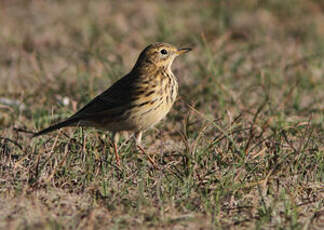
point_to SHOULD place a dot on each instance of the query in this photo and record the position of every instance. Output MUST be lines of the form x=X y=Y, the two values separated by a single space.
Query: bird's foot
x=116 y=154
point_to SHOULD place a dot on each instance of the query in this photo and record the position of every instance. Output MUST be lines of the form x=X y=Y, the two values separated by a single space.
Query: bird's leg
x=138 y=139
x=115 y=138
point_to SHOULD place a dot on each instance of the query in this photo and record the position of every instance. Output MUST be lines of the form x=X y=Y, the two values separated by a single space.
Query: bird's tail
x=62 y=124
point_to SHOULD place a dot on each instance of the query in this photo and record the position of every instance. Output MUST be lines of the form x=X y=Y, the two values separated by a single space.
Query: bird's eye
x=164 y=52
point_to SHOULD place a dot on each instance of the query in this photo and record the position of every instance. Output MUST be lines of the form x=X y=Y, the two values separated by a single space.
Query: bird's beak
x=183 y=51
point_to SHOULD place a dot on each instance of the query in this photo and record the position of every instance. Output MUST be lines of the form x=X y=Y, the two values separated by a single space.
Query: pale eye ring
x=164 y=52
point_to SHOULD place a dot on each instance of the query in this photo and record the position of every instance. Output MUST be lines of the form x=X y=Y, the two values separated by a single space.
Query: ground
x=241 y=149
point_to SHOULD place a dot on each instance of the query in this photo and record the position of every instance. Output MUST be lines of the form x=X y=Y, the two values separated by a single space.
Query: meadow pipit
x=137 y=101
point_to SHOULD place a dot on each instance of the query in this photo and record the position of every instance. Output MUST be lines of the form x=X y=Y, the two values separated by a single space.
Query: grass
x=242 y=148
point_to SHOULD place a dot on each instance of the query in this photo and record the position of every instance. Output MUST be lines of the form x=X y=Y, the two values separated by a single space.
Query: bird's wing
x=111 y=102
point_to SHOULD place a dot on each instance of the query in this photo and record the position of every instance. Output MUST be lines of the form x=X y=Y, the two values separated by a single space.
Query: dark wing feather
x=111 y=101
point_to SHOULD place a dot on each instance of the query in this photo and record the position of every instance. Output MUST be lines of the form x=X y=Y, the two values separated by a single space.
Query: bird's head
x=160 y=55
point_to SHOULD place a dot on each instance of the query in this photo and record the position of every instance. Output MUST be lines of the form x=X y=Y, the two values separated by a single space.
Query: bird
x=134 y=103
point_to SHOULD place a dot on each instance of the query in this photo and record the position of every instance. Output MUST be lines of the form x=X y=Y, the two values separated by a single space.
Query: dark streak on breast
x=142 y=104
x=168 y=98
x=158 y=105
x=145 y=82
x=166 y=89
x=149 y=93
x=152 y=109
x=153 y=101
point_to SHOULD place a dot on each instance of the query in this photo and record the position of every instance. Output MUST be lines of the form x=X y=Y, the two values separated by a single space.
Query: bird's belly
x=137 y=120
x=150 y=117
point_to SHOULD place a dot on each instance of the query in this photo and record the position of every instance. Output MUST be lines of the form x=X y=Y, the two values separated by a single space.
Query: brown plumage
x=137 y=101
